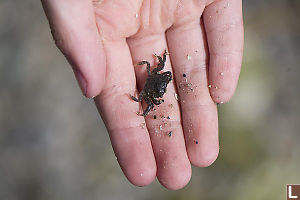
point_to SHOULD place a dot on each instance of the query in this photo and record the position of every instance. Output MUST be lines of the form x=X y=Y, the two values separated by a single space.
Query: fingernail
x=81 y=81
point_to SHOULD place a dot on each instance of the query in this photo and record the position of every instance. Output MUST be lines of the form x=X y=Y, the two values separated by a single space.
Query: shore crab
x=156 y=84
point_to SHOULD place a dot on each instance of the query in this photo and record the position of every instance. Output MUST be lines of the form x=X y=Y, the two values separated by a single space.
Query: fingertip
x=223 y=77
x=135 y=158
x=223 y=93
x=182 y=179
x=95 y=84
x=176 y=180
x=205 y=158
x=89 y=75
x=88 y=62
x=135 y=155
x=139 y=167
x=141 y=177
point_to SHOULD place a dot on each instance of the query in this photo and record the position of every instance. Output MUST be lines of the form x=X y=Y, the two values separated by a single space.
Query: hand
x=105 y=39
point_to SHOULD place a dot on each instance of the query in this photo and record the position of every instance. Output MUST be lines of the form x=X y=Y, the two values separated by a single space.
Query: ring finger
x=188 y=54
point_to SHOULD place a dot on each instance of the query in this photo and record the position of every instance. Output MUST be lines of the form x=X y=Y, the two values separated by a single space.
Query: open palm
x=105 y=39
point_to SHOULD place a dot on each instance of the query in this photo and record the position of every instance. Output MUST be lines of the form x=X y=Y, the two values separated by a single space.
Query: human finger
x=188 y=53
x=127 y=130
x=163 y=122
x=224 y=28
x=75 y=33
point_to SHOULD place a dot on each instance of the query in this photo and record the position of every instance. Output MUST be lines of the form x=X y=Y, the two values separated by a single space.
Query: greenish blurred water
x=54 y=146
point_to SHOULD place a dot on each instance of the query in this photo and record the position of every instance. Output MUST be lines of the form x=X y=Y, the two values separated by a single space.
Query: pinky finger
x=224 y=28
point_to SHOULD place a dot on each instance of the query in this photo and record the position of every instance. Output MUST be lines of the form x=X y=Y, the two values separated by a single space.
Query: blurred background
x=53 y=144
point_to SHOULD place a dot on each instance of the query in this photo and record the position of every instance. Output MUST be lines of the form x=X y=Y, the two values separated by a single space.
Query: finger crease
x=225 y=27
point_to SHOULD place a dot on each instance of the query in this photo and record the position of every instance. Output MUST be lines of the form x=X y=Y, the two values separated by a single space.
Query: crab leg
x=161 y=63
x=168 y=73
x=149 y=107
x=139 y=99
x=148 y=66
x=147 y=110
x=157 y=102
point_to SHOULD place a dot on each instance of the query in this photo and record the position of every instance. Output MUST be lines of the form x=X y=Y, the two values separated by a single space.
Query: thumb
x=75 y=32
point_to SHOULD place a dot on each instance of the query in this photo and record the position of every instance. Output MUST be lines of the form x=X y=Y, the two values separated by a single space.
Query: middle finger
x=163 y=122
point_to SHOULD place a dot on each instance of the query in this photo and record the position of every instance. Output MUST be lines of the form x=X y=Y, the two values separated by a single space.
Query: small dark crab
x=156 y=84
